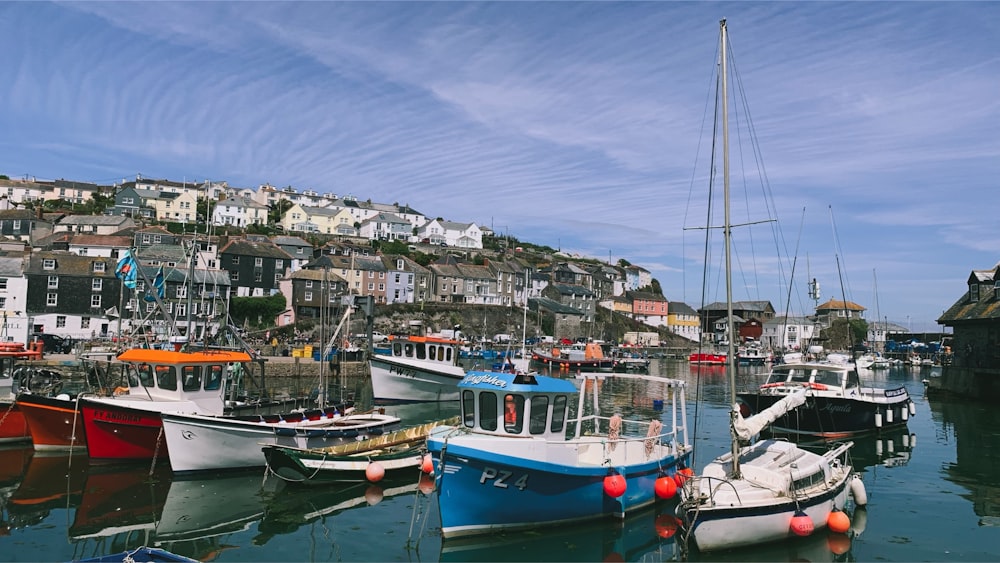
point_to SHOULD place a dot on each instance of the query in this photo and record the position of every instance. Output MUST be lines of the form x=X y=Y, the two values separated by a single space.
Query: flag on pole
x=159 y=286
x=127 y=269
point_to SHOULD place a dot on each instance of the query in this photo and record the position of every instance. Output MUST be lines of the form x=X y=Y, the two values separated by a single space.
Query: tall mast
x=727 y=238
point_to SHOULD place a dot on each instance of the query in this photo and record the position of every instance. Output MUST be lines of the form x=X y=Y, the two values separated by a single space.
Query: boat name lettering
x=488 y=380
x=835 y=408
x=402 y=371
x=895 y=392
x=116 y=416
x=500 y=478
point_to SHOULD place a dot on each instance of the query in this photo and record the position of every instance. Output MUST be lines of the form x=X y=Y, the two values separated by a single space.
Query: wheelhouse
x=516 y=404
x=817 y=376
x=430 y=348
x=161 y=374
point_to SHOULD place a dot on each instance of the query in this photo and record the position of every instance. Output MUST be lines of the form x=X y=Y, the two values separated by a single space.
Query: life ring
x=121 y=390
x=817 y=386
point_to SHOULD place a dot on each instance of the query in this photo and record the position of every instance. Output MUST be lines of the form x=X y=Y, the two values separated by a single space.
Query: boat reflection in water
x=14 y=460
x=889 y=448
x=296 y=506
x=647 y=534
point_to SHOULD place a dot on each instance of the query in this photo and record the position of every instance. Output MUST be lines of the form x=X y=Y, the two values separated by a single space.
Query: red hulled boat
x=13 y=427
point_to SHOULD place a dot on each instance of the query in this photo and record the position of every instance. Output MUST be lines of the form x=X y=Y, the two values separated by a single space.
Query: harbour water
x=933 y=489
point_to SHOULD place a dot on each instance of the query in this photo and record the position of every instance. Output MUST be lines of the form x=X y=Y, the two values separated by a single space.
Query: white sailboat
x=768 y=490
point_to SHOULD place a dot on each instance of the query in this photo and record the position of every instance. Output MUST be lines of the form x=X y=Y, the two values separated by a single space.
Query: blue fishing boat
x=518 y=460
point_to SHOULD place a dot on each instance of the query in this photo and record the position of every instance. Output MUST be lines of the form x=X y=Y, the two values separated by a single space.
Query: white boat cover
x=746 y=428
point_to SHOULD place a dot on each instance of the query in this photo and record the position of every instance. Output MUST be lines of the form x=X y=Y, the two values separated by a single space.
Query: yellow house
x=318 y=220
x=176 y=207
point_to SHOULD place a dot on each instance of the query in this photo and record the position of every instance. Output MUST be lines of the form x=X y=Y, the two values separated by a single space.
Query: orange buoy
x=614 y=484
x=838 y=521
x=802 y=524
x=427 y=466
x=665 y=487
x=666 y=525
x=374 y=472
x=681 y=477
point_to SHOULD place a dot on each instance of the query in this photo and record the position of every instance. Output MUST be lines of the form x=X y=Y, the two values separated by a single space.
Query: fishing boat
x=51 y=412
x=518 y=461
x=13 y=427
x=837 y=405
x=366 y=460
x=707 y=358
x=199 y=442
x=576 y=357
x=761 y=490
x=752 y=354
x=421 y=368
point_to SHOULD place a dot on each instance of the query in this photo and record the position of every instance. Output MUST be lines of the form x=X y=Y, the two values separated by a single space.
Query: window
x=166 y=378
x=95 y=300
x=84 y=322
x=468 y=408
x=974 y=292
x=279 y=264
x=182 y=291
x=258 y=276
x=213 y=377
x=99 y=266
x=96 y=284
x=3 y=284
x=513 y=413
x=236 y=260
x=60 y=321
x=48 y=264
x=51 y=299
x=558 y=413
x=258 y=262
x=234 y=275
x=488 y=411
x=16 y=224
x=539 y=412
x=3 y=302
x=191 y=378
x=309 y=283
x=309 y=296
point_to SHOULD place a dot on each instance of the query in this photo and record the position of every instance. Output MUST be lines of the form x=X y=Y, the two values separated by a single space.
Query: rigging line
x=705 y=268
x=844 y=288
x=791 y=279
x=768 y=195
x=713 y=76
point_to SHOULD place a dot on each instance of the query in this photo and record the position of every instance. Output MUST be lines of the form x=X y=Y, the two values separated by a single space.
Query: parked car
x=376 y=337
x=54 y=344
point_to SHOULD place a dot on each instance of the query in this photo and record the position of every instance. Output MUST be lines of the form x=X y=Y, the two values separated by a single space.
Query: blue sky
x=577 y=125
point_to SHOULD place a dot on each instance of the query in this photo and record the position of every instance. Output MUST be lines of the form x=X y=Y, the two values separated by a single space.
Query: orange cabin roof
x=427 y=339
x=171 y=357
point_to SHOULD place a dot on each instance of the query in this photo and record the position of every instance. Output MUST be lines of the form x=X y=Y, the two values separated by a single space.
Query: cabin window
x=397 y=349
x=166 y=378
x=828 y=377
x=447 y=353
x=213 y=377
x=513 y=413
x=558 y=413
x=469 y=408
x=409 y=350
x=808 y=480
x=539 y=412
x=421 y=351
x=488 y=411
x=145 y=376
x=191 y=376
x=432 y=352
x=852 y=379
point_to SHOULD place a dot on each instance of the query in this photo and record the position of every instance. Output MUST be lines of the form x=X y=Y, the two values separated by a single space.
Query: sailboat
x=768 y=490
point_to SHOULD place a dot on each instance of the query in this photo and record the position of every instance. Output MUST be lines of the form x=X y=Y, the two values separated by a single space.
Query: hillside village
x=299 y=250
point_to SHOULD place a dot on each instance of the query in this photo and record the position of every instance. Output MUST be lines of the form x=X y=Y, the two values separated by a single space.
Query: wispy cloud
x=572 y=124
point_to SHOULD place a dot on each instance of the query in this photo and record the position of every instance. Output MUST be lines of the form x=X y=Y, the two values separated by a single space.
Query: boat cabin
x=516 y=404
x=432 y=348
x=161 y=375
x=815 y=376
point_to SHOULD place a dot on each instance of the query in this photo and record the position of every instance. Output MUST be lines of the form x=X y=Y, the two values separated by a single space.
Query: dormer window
x=48 y=264
x=99 y=266
x=996 y=290
x=974 y=292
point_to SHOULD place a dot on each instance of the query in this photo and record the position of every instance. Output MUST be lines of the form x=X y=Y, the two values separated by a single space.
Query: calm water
x=933 y=488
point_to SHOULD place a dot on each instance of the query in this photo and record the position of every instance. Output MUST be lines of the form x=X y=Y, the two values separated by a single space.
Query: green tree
x=258 y=312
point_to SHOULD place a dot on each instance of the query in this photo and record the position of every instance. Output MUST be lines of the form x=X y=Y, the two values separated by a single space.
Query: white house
x=239 y=212
x=787 y=333
x=385 y=226
x=451 y=233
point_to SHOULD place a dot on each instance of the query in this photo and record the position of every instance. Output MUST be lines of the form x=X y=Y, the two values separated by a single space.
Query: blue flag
x=159 y=286
x=127 y=269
